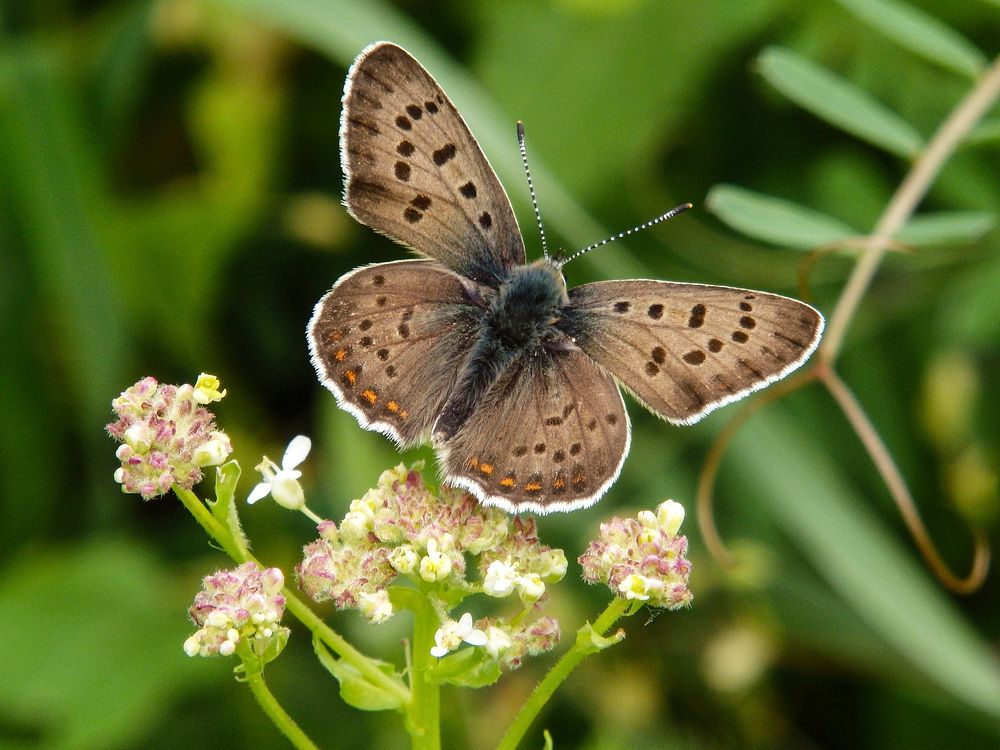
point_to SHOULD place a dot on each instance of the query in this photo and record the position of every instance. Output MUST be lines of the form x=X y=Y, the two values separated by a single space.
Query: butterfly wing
x=389 y=340
x=685 y=349
x=551 y=434
x=414 y=172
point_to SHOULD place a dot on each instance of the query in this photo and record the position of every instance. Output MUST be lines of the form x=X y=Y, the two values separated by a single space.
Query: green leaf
x=922 y=34
x=590 y=641
x=797 y=481
x=946 y=228
x=467 y=667
x=838 y=101
x=224 y=506
x=775 y=220
x=354 y=688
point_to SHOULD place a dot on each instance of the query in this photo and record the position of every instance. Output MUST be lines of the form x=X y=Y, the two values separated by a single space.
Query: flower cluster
x=521 y=562
x=643 y=558
x=504 y=641
x=240 y=606
x=167 y=435
x=401 y=530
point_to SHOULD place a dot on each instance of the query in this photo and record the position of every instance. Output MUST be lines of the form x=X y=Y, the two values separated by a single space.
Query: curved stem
x=904 y=202
x=710 y=469
x=583 y=647
x=285 y=723
x=901 y=495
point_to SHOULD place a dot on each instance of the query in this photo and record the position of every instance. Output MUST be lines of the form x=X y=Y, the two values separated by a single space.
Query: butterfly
x=513 y=376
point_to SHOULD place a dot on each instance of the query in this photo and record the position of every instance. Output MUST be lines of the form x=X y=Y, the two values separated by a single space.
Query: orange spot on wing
x=350 y=376
x=340 y=355
x=559 y=483
x=472 y=463
x=369 y=395
x=335 y=334
x=486 y=469
x=392 y=406
x=404 y=413
x=578 y=480
x=508 y=482
x=533 y=487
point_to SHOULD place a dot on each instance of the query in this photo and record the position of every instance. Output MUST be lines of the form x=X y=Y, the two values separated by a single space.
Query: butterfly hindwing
x=389 y=340
x=415 y=173
x=551 y=434
x=686 y=349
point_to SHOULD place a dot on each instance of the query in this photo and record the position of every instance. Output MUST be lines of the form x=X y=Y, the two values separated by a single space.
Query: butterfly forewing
x=389 y=340
x=551 y=434
x=415 y=173
x=686 y=349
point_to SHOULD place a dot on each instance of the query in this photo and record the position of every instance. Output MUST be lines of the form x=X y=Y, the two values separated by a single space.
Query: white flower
x=403 y=559
x=670 y=515
x=530 y=588
x=283 y=484
x=434 y=566
x=500 y=578
x=452 y=634
x=497 y=641
x=213 y=452
x=375 y=607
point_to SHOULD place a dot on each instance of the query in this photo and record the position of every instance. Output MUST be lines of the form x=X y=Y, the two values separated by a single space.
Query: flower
x=404 y=559
x=283 y=484
x=435 y=565
x=509 y=643
x=497 y=641
x=530 y=588
x=167 y=437
x=345 y=572
x=243 y=605
x=452 y=634
x=500 y=578
x=376 y=606
x=643 y=558
x=206 y=389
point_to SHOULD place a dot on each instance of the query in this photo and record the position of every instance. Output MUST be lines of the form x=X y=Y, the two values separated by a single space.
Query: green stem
x=544 y=690
x=425 y=707
x=293 y=603
x=209 y=523
x=285 y=723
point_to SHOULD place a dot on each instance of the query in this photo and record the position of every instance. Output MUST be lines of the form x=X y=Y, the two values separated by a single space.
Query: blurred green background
x=169 y=204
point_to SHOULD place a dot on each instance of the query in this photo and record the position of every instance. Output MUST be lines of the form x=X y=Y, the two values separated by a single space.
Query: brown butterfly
x=513 y=376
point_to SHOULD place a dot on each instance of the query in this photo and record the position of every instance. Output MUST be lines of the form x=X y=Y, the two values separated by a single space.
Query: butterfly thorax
x=519 y=321
x=528 y=303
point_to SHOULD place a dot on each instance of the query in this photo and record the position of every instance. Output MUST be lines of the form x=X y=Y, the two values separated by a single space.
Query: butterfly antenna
x=663 y=217
x=531 y=186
